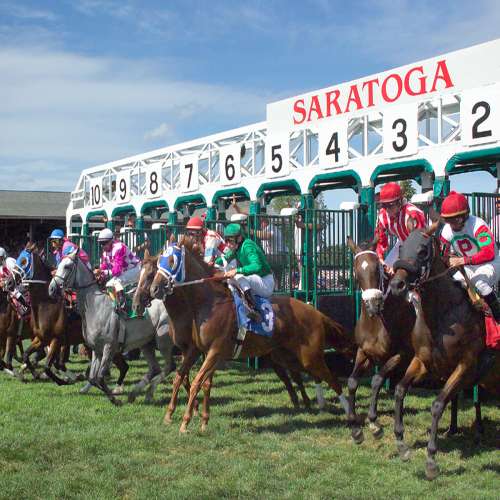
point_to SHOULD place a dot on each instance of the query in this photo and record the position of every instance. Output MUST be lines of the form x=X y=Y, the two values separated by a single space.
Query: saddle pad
x=265 y=327
x=128 y=304
x=492 y=333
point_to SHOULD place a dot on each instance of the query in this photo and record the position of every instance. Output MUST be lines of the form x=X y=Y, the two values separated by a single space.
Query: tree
x=407 y=188
x=280 y=202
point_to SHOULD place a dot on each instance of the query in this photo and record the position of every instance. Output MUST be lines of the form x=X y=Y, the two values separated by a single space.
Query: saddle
x=126 y=313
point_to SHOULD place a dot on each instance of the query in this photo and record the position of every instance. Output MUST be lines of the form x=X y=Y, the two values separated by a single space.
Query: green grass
x=56 y=443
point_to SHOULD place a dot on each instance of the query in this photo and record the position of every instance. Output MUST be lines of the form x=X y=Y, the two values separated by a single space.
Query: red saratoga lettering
x=370 y=84
x=442 y=74
x=298 y=107
x=332 y=101
x=399 y=84
x=353 y=97
x=422 y=80
x=315 y=107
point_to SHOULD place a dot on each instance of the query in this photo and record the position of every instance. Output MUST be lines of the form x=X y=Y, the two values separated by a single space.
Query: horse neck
x=39 y=291
x=85 y=283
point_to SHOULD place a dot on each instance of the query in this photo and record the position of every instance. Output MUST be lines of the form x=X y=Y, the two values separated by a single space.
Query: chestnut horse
x=382 y=333
x=9 y=332
x=203 y=315
x=448 y=335
x=279 y=364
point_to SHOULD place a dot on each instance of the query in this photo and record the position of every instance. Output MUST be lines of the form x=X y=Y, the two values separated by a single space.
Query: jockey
x=211 y=241
x=61 y=247
x=252 y=271
x=10 y=270
x=396 y=217
x=473 y=244
x=119 y=265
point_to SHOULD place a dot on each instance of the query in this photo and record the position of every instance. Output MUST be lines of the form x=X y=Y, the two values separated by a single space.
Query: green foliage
x=408 y=189
x=280 y=202
x=56 y=443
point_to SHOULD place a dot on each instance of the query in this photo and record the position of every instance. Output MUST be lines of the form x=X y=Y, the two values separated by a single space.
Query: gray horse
x=106 y=333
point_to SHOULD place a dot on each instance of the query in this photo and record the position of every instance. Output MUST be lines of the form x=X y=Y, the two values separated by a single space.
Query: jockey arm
x=382 y=242
x=254 y=264
x=486 y=247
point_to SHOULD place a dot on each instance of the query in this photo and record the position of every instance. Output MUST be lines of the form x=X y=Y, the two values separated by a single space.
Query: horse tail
x=338 y=337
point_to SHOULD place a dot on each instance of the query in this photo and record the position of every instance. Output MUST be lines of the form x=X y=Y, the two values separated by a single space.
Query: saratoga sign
x=471 y=67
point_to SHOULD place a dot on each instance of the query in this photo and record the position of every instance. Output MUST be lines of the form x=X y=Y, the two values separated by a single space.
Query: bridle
x=369 y=293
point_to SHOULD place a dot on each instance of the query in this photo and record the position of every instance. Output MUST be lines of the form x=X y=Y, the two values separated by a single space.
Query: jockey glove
x=492 y=300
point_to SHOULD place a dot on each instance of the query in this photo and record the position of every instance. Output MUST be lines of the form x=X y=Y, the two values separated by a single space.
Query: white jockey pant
x=129 y=276
x=483 y=276
x=260 y=285
x=393 y=255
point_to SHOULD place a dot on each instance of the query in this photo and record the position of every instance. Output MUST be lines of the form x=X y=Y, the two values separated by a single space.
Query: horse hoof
x=132 y=397
x=117 y=402
x=9 y=372
x=377 y=430
x=431 y=470
x=404 y=451
x=80 y=377
x=167 y=420
x=204 y=427
x=118 y=390
x=357 y=436
x=183 y=428
x=86 y=388
x=148 y=399
x=43 y=376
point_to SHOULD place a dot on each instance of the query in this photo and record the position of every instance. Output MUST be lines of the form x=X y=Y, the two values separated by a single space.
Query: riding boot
x=485 y=363
x=252 y=314
x=492 y=301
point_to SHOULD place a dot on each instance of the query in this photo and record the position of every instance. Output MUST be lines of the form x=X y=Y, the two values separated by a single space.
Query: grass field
x=56 y=443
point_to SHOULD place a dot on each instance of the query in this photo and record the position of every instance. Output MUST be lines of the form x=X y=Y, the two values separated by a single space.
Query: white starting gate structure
x=425 y=120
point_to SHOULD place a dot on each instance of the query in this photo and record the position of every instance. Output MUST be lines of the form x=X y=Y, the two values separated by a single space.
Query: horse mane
x=194 y=252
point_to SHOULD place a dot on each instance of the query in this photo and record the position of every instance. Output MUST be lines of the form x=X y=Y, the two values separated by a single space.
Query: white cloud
x=163 y=131
x=26 y=13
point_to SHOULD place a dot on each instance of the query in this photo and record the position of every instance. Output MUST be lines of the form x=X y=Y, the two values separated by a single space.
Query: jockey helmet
x=232 y=230
x=56 y=234
x=454 y=204
x=195 y=223
x=390 y=192
x=3 y=253
x=105 y=234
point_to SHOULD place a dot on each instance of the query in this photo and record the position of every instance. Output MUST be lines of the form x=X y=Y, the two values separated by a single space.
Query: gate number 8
x=153 y=181
x=401 y=134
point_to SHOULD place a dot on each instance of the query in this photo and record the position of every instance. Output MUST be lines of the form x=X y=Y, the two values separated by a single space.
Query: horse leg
x=181 y=377
x=283 y=376
x=438 y=406
x=154 y=369
x=478 y=425
x=104 y=367
x=360 y=365
x=415 y=370
x=314 y=363
x=297 y=378
x=205 y=372
x=377 y=381
x=205 y=412
x=2 y=354
x=122 y=366
x=453 y=428
x=10 y=347
x=51 y=356
x=19 y=344
x=36 y=343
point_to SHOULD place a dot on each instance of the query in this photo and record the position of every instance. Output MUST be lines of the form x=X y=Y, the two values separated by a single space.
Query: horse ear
x=146 y=254
x=434 y=215
x=352 y=246
x=182 y=240
x=171 y=240
x=412 y=224
x=432 y=228
x=374 y=243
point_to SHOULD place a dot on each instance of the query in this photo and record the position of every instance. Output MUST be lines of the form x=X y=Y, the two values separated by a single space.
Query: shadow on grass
x=295 y=425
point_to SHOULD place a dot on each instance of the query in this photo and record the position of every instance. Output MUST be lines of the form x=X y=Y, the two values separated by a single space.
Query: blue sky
x=88 y=81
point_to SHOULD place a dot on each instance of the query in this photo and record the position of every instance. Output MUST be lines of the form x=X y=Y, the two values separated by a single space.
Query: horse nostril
x=401 y=285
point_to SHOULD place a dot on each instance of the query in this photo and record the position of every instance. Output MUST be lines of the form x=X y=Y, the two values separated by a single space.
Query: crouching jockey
x=119 y=266
x=10 y=276
x=248 y=267
x=62 y=247
x=211 y=242
x=473 y=244
x=396 y=217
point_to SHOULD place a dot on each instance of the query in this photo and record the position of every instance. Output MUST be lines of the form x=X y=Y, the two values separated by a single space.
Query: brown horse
x=279 y=363
x=9 y=330
x=381 y=333
x=50 y=321
x=447 y=337
x=203 y=315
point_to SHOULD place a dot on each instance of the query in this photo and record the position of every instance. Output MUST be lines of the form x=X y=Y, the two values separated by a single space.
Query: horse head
x=416 y=258
x=71 y=273
x=142 y=295
x=369 y=274
x=180 y=262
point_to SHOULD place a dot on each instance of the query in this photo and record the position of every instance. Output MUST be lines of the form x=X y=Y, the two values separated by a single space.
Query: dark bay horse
x=448 y=334
x=10 y=325
x=204 y=316
x=382 y=333
x=51 y=325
